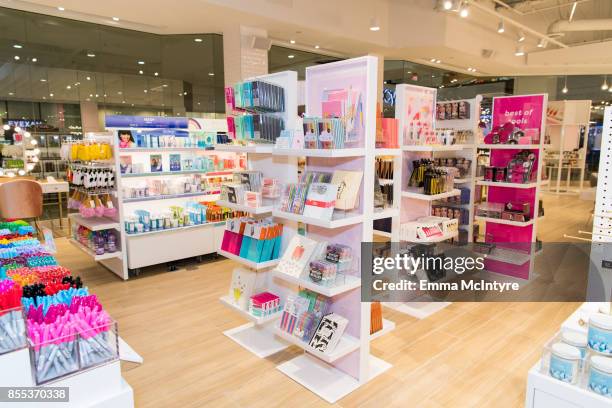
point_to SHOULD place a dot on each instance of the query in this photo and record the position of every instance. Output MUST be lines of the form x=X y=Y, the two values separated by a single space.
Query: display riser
x=326 y=381
x=420 y=310
x=544 y=391
x=85 y=386
x=176 y=244
x=258 y=339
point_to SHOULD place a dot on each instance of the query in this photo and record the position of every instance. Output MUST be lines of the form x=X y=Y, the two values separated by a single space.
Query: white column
x=241 y=59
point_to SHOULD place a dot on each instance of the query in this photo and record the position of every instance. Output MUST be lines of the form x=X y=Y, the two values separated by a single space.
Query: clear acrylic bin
x=12 y=330
x=67 y=355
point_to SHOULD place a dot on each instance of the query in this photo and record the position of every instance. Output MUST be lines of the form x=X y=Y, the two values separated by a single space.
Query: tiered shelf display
x=567 y=130
x=416 y=108
x=514 y=239
x=258 y=336
x=181 y=242
x=113 y=261
x=350 y=365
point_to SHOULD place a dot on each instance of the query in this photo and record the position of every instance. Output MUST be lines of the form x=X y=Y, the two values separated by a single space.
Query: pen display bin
x=98 y=345
x=54 y=358
x=12 y=330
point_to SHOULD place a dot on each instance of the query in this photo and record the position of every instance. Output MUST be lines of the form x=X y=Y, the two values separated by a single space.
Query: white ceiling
x=410 y=29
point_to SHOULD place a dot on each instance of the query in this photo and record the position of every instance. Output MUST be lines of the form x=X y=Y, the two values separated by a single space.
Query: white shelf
x=505 y=222
x=509 y=146
x=167 y=197
x=505 y=184
x=388 y=152
x=382 y=233
x=95 y=223
x=225 y=300
x=239 y=207
x=431 y=240
x=388 y=326
x=92 y=254
x=257 y=148
x=420 y=310
x=350 y=283
x=348 y=152
x=258 y=339
x=182 y=172
x=164 y=149
x=325 y=380
x=462 y=180
x=386 y=213
x=253 y=265
x=161 y=231
x=436 y=148
x=337 y=221
x=417 y=193
x=346 y=345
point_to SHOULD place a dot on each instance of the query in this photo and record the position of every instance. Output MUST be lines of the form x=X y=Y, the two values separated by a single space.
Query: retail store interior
x=193 y=198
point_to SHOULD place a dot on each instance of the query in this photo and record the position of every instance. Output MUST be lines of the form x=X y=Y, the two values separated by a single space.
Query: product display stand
x=416 y=109
x=350 y=365
x=189 y=240
x=113 y=261
x=514 y=252
x=257 y=336
x=567 y=130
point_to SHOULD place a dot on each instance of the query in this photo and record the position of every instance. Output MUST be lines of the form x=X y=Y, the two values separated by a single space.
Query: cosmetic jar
x=600 y=375
x=577 y=340
x=600 y=333
x=565 y=362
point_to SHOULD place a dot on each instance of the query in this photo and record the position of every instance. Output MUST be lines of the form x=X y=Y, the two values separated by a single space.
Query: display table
x=544 y=391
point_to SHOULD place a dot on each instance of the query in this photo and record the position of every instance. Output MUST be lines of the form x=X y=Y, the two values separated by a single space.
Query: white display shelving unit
x=113 y=261
x=415 y=203
x=258 y=336
x=334 y=375
x=566 y=120
x=178 y=243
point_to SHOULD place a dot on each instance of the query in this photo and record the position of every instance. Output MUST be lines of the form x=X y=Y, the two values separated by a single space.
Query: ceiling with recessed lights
x=460 y=34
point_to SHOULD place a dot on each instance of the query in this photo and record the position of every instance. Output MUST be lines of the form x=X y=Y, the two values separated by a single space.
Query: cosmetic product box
x=490 y=210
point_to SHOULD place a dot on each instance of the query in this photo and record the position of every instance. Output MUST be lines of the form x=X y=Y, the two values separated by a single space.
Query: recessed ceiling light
x=185 y=93
x=211 y=74
x=34 y=59
x=68 y=87
x=438 y=61
x=43 y=80
x=119 y=93
x=88 y=78
x=464 y=11
x=115 y=18
x=146 y=91
x=447 y=4
x=501 y=27
x=141 y=72
x=432 y=60
x=11 y=93
x=374 y=25
x=17 y=58
x=520 y=51
x=156 y=73
x=60 y=8
x=51 y=95
x=91 y=95
x=290 y=56
x=317 y=47
x=91 y=54
x=198 y=40
x=292 y=41
x=141 y=62
x=165 y=85
x=17 y=46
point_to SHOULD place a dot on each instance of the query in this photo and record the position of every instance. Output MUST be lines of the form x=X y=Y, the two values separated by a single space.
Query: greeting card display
x=348 y=188
x=297 y=255
x=156 y=163
x=320 y=201
x=175 y=162
x=242 y=287
x=328 y=333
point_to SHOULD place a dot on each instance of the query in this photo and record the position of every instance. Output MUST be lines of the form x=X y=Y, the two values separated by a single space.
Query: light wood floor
x=467 y=355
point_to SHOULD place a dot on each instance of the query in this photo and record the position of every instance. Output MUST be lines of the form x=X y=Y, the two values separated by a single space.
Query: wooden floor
x=467 y=355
